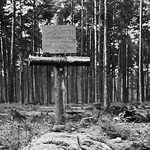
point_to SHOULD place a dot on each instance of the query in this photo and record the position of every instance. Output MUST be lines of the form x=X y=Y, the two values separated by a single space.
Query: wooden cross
x=59 y=62
x=59 y=40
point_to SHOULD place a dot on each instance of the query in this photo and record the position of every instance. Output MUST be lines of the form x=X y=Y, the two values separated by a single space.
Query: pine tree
x=11 y=58
x=105 y=55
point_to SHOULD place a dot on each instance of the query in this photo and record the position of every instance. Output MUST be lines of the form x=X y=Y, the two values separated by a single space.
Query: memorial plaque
x=59 y=39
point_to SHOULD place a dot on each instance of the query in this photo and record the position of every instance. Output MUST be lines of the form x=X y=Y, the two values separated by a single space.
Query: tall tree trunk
x=92 y=58
x=119 y=74
x=137 y=88
x=49 y=85
x=95 y=52
x=105 y=56
x=127 y=70
x=91 y=88
x=142 y=78
x=132 y=87
x=67 y=83
x=81 y=53
x=11 y=61
x=114 y=62
x=21 y=59
x=73 y=69
x=72 y=92
x=147 y=81
x=33 y=69
x=1 y=50
x=124 y=68
x=5 y=56
x=140 y=55
x=28 y=82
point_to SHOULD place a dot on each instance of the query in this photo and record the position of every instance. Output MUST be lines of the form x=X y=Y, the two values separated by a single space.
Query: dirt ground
x=31 y=127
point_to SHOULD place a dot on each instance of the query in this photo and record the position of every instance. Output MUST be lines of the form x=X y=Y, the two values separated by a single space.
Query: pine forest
x=107 y=70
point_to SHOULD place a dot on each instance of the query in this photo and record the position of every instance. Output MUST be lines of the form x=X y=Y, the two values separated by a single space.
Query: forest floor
x=30 y=127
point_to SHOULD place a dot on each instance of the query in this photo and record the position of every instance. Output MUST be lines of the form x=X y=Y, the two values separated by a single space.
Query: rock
x=58 y=128
x=116 y=119
x=16 y=115
x=57 y=141
x=118 y=139
x=117 y=107
x=98 y=106
x=145 y=105
x=86 y=121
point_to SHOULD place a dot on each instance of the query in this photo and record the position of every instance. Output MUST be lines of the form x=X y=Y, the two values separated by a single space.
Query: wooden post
x=59 y=62
x=59 y=99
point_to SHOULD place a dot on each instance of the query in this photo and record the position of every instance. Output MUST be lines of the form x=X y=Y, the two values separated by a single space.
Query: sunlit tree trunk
x=114 y=62
x=95 y=52
x=119 y=74
x=105 y=56
x=99 y=56
x=140 y=55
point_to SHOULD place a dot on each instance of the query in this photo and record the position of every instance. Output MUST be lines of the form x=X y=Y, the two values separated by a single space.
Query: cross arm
x=59 y=60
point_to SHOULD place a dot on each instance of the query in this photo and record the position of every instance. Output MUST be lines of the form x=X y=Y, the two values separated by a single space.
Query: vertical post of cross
x=59 y=99
x=59 y=78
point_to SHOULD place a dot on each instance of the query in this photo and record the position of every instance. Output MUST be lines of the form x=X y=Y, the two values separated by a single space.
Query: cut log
x=59 y=61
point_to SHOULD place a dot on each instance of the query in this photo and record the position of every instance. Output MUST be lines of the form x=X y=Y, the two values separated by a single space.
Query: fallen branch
x=79 y=144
